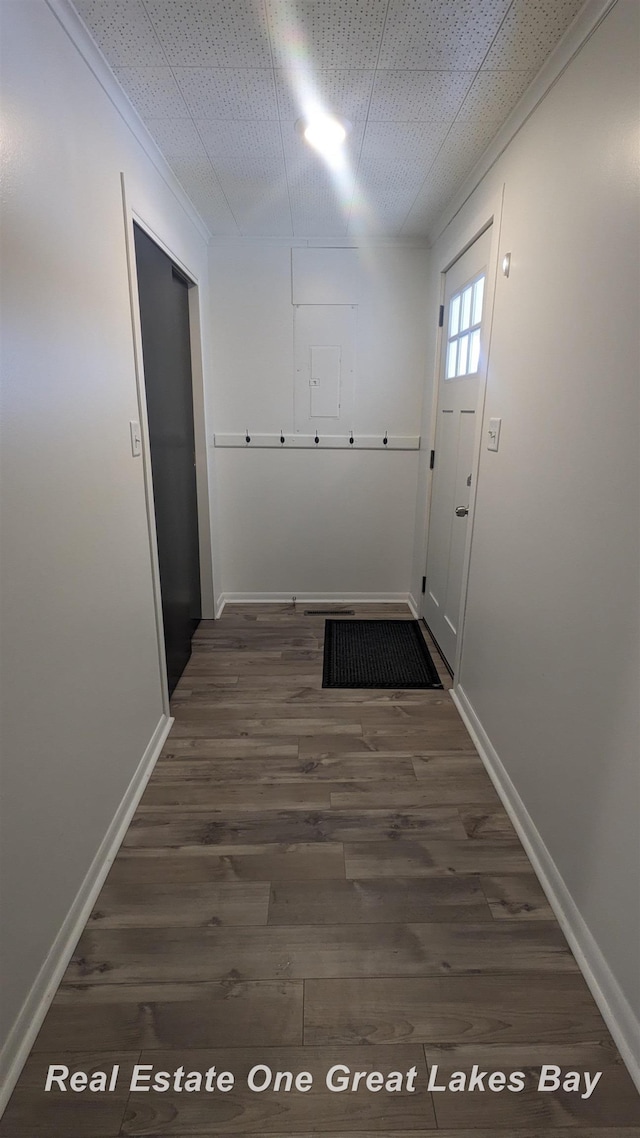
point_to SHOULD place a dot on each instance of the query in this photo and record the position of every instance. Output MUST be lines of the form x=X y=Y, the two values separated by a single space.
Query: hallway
x=318 y=877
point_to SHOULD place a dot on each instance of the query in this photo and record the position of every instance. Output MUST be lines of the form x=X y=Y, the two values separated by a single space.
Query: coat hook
x=247 y=437
x=317 y=439
x=386 y=438
x=351 y=439
x=281 y=437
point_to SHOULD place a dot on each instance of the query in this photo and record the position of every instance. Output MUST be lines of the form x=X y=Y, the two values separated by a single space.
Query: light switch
x=493 y=434
x=136 y=438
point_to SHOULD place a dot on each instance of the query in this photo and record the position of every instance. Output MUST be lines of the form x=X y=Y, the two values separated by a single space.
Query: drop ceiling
x=425 y=84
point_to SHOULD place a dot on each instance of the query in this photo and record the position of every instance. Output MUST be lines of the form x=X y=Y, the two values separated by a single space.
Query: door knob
x=462 y=511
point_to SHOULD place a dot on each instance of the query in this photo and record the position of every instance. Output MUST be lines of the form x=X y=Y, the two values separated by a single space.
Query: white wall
x=326 y=523
x=549 y=668
x=80 y=675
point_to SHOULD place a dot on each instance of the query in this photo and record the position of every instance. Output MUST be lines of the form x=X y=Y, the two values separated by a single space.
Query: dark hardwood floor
x=317 y=877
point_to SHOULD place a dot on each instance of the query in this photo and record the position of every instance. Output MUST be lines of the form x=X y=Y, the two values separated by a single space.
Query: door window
x=463 y=339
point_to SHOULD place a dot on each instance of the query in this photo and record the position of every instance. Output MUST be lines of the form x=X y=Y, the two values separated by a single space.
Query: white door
x=460 y=383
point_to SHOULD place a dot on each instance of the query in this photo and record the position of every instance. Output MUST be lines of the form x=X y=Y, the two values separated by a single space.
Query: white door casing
x=458 y=409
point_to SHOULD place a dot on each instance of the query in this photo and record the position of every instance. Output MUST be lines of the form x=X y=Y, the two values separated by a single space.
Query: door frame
x=199 y=426
x=488 y=214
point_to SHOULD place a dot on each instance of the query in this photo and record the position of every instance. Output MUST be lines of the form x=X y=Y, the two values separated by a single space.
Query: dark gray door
x=166 y=350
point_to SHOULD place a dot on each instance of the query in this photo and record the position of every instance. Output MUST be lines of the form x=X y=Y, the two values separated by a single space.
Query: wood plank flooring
x=317 y=877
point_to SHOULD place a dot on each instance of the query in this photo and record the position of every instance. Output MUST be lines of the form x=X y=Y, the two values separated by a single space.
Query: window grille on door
x=463 y=338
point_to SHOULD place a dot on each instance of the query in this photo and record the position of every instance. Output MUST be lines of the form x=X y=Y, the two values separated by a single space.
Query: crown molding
x=572 y=42
x=72 y=24
x=413 y=242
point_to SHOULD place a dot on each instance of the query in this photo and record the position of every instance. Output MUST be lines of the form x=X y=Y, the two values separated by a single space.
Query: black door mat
x=377 y=654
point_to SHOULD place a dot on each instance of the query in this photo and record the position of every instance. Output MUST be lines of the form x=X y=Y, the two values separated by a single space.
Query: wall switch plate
x=136 y=438
x=493 y=433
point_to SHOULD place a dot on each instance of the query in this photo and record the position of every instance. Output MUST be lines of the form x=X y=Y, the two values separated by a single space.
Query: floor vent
x=329 y=612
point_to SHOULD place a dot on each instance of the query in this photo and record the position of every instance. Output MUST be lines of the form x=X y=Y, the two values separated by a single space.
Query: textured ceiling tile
x=312 y=189
x=347 y=93
x=200 y=72
x=382 y=193
x=382 y=216
x=530 y=32
x=329 y=226
x=200 y=183
x=153 y=92
x=403 y=142
x=307 y=174
x=381 y=176
x=267 y=221
x=442 y=35
x=390 y=180
x=420 y=96
x=463 y=146
x=395 y=159
x=319 y=198
x=178 y=138
x=308 y=198
x=228 y=138
x=381 y=211
x=311 y=192
x=211 y=33
x=231 y=93
x=256 y=189
x=429 y=202
x=458 y=155
x=326 y=33
x=461 y=150
x=424 y=212
x=249 y=181
x=494 y=94
x=122 y=31
x=316 y=224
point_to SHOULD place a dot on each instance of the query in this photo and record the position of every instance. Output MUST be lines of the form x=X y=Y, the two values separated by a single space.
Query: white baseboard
x=311 y=599
x=413 y=605
x=616 y=1010
x=29 y=1020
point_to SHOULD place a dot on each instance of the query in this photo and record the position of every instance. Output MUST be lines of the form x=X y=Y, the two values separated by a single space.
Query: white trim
x=413 y=605
x=395 y=242
x=136 y=335
x=497 y=206
x=311 y=599
x=30 y=1017
x=568 y=47
x=69 y=19
x=192 y=277
x=616 y=1010
x=488 y=214
x=197 y=321
x=295 y=441
x=196 y=324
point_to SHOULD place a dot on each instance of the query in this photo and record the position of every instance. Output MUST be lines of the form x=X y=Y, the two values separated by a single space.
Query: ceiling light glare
x=325 y=133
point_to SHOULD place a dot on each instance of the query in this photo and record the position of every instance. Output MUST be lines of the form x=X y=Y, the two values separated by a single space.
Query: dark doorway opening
x=166 y=351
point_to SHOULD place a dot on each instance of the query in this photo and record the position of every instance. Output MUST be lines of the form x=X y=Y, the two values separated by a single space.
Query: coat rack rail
x=284 y=441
